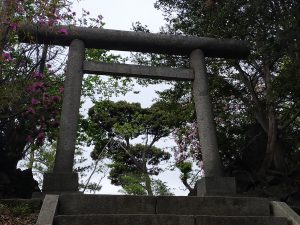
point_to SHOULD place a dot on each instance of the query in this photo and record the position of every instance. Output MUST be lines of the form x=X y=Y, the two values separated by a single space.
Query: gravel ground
x=13 y=220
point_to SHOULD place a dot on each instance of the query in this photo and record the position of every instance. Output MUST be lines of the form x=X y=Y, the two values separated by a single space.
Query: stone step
x=74 y=204
x=165 y=220
x=240 y=220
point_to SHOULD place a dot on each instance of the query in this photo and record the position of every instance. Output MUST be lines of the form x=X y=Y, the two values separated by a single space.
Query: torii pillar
x=214 y=183
x=63 y=178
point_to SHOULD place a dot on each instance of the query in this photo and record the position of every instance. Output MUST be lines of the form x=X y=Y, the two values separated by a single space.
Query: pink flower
x=30 y=110
x=13 y=26
x=61 y=89
x=45 y=96
x=40 y=138
x=40 y=135
x=52 y=22
x=55 y=98
x=34 y=101
x=31 y=88
x=63 y=31
x=37 y=75
x=37 y=86
x=29 y=138
x=7 y=57
x=55 y=123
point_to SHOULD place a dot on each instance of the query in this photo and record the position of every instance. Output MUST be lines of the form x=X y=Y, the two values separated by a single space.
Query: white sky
x=120 y=15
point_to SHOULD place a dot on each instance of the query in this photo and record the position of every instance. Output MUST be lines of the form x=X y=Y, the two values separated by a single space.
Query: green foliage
x=256 y=101
x=119 y=118
x=116 y=125
x=184 y=167
x=31 y=83
x=19 y=128
x=133 y=184
x=123 y=163
x=21 y=210
x=160 y=188
x=128 y=121
x=98 y=87
x=3 y=208
x=93 y=187
x=272 y=31
x=18 y=210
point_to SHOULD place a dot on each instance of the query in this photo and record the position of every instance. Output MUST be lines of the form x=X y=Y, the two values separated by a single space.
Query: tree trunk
x=274 y=155
x=148 y=184
x=145 y=170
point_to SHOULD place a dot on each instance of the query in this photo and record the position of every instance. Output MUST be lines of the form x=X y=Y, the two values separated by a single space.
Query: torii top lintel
x=134 y=41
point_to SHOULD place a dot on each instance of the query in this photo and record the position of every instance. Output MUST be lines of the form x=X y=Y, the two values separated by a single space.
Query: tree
x=256 y=101
x=31 y=82
x=117 y=125
x=268 y=62
x=30 y=87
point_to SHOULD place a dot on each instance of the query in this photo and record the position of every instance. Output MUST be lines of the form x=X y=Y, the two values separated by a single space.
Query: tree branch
x=96 y=164
x=43 y=59
x=186 y=184
x=135 y=161
x=259 y=115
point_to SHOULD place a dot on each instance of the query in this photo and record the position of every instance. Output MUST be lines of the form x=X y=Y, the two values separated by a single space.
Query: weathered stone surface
x=125 y=220
x=134 y=41
x=48 y=210
x=60 y=182
x=70 y=109
x=106 y=204
x=282 y=209
x=120 y=204
x=235 y=220
x=221 y=206
x=75 y=209
x=164 y=73
x=216 y=186
x=205 y=118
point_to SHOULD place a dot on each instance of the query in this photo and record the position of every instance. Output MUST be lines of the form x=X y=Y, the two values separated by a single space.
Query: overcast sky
x=120 y=15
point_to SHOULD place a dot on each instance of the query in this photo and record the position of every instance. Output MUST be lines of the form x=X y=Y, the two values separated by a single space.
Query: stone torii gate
x=63 y=179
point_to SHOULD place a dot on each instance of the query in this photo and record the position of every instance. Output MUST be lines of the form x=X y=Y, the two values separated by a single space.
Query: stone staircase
x=79 y=209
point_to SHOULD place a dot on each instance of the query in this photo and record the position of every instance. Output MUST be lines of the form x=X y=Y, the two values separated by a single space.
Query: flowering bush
x=44 y=107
